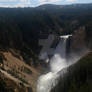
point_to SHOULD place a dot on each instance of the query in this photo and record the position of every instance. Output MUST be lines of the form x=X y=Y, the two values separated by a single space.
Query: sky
x=34 y=3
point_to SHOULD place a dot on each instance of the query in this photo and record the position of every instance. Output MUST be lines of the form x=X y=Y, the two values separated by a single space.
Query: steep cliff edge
x=78 y=78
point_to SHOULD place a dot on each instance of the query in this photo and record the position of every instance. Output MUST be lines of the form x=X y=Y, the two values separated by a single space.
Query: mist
x=58 y=65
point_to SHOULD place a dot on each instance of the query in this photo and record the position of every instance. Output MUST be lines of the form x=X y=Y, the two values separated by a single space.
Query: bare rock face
x=89 y=36
x=15 y=69
x=77 y=43
x=7 y=85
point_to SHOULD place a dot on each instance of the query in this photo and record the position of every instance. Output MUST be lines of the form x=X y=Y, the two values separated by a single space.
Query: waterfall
x=57 y=63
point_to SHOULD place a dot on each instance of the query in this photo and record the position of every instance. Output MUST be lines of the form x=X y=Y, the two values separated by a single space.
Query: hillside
x=21 y=29
x=6 y=85
x=15 y=69
x=78 y=78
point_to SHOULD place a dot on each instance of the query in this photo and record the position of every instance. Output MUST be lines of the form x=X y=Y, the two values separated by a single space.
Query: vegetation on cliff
x=21 y=28
x=78 y=78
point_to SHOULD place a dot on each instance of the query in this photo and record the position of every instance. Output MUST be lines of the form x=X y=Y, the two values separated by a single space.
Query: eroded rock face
x=7 y=84
x=15 y=69
x=76 y=44
x=78 y=41
x=89 y=36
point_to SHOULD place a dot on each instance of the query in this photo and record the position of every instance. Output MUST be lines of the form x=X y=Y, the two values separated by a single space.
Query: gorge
x=57 y=63
x=20 y=32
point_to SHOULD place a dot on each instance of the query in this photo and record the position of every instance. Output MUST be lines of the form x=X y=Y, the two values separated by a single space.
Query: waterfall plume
x=57 y=63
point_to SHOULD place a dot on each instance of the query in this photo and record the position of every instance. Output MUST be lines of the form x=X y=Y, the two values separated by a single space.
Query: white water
x=57 y=63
